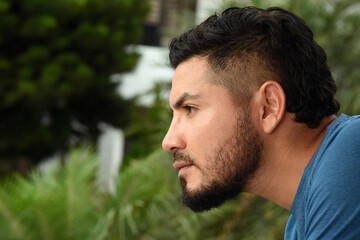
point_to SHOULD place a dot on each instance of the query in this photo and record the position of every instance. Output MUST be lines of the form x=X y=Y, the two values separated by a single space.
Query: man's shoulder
x=347 y=126
x=342 y=138
x=332 y=207
x=339 y=152
x=343 y=141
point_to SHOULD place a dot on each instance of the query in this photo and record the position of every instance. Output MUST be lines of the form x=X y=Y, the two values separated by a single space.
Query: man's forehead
x=193 y=70
x=189 y=78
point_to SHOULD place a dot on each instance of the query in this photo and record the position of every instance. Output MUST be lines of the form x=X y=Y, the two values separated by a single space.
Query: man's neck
x=286 y=154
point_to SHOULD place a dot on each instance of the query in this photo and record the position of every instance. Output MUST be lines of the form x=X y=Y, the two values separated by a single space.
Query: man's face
x=215 y=145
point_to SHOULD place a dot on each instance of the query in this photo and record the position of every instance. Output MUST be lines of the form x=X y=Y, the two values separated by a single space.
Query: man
x=254 y=111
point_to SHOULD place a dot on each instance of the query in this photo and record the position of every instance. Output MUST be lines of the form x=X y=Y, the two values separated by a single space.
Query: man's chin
x=205 y=198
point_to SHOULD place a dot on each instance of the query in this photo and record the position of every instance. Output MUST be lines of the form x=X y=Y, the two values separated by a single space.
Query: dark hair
x=264 y=43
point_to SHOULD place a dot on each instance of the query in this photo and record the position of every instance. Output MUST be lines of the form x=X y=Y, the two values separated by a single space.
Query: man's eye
x=190 y=109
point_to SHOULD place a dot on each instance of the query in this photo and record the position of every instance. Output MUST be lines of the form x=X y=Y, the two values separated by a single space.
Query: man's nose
x=173 y=139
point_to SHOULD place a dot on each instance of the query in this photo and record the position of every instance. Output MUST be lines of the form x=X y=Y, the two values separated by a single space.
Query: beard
x=230 y=167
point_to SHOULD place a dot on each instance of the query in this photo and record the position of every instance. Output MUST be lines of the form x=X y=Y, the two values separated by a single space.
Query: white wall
x=152 y=67
x=205 y=8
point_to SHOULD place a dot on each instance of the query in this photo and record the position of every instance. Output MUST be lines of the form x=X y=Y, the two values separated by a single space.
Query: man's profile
x=254 y=111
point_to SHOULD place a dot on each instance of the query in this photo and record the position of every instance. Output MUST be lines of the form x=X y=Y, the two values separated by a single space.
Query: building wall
x=166 y=19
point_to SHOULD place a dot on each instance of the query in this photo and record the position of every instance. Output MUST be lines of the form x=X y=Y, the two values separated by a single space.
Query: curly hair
x=248 y=46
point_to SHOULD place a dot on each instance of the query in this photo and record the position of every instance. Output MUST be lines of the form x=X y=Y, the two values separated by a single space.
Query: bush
x=65 y=204
x=56 y=58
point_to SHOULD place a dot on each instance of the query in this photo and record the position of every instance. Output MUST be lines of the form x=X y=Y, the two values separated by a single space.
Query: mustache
x=183 y=157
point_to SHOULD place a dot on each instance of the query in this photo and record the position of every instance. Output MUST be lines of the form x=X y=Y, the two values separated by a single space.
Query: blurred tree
x=56 y=58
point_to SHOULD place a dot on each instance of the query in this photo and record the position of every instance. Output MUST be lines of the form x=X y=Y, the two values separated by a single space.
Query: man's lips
x=180 y=165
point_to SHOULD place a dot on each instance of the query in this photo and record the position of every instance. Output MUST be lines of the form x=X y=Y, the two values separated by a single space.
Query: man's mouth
x=181 y=166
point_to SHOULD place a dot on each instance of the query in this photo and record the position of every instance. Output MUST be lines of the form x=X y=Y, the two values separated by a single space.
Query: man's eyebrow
x=185 y=96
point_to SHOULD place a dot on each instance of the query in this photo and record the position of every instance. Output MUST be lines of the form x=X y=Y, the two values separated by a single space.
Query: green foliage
x=65 y=204
x=55 y=61
x=52 y=205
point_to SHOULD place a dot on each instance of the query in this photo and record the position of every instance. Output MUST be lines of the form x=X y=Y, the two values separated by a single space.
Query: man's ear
x=270 y=102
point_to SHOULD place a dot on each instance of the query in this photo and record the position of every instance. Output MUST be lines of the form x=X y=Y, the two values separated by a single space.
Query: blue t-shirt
x=327 y=201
